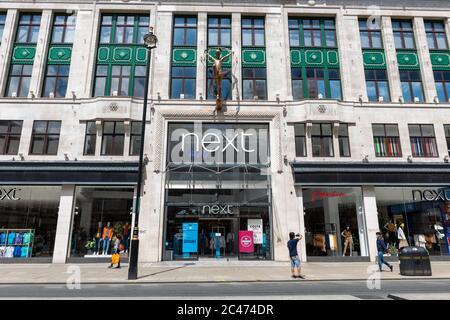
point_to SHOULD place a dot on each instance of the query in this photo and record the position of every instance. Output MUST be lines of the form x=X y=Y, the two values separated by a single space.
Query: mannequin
x=98 y=238
x=348 y=240
x=107 y=236
x=401 y=237
x=392 y=230
x=126 y=235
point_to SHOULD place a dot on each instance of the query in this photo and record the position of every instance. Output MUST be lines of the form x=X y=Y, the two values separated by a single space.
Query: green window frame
x=312 y=32
x=121 y=35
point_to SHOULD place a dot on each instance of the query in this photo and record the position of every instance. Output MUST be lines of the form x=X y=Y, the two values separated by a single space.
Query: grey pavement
x=204 y=271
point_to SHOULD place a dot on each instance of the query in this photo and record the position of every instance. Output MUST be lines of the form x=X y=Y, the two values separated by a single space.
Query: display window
x=101 y=214
x=194 y=232
x=334 y=222
x=415 y=216
x=28 y=219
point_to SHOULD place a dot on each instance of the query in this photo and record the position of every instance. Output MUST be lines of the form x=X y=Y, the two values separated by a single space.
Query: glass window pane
x=409 y=40
x=378 y=130
x=406 y=92
x=213 y=37
x=365 y=43
x=13 y=147
x=294 y=38
x=70 y=33
x=49 y=86
x=105 y=35
x=343 y=130
x=398 y=40
x=330 y=38
x=37 y=145
x=414 y=130
x=106 y=20
x=300 y=147
x=317 y=35
x=61 y=87
x=13 y=86
x=441 y=41
x=129 y=35
x=178 y=37
x=57 y=34
x=246 y=38
x=118 y=145
x=335 y=89
x=417 y=90
x=16 y=126
x=259 y=37
x=124 y=87
x=297 y=89
x=191 y=37
x=261 y=89
x=22 y=33
x=120 y=128
x=376 y=40
x=136 y=127
x=52 y=144
x=316 y=129
x=89 y=145
x=427 y=131
x=441 y=92
x=176 y=88
x=91 y=127
x=119 y=35
x=139 y=87
x=371 y=91
x=316 y=146
x=189 y=85
x=108 y=127
x=54 y=127
x=299 y=129
x=225 y=36
x=383 y=91
x=326 y=129
x=392 y=130
x=327 y=147
x=100 y=84
x=321 y=88
x=24 y=89
x=307 y=39
x=248 y=89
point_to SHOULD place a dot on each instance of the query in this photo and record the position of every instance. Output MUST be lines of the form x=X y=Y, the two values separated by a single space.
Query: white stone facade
x=279 y=110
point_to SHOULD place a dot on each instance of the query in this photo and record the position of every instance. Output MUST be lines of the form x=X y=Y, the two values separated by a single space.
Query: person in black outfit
x=293 y=255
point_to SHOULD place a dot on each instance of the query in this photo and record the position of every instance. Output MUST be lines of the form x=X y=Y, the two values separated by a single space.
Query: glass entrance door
x=217 y=238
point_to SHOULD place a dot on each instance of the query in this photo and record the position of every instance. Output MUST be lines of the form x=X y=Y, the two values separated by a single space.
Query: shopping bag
x=115 y=258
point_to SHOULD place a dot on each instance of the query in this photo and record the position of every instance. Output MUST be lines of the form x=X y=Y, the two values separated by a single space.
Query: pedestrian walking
x=382 y=249
x=293 y=255
x=115 y=258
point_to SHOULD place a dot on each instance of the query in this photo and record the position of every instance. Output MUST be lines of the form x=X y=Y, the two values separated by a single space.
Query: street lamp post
x=150 y=41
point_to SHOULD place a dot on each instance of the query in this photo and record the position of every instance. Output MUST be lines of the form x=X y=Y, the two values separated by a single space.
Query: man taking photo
x=293 y=255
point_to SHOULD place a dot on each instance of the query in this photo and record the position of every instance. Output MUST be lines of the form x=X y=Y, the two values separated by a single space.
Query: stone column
x=7 y=43
x=301 y=222
x=40 y=59
x=391 y=59
x=64 y=224
x=429 y=86
x=351 y=59
x=202 y=62
x=237 y=64
x=82 y=49
x=335 y=131
x=162 y=55
x=276 y=57
x=371 y=215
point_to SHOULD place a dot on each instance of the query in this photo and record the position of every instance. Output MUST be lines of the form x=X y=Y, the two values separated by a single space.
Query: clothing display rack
x=16 y=243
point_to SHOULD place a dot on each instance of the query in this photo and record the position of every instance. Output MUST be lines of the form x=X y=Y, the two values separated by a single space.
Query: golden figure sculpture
x=218 y=75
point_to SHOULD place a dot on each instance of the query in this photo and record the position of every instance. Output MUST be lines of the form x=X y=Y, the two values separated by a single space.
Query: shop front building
x=408 y=206
x=217 y=191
